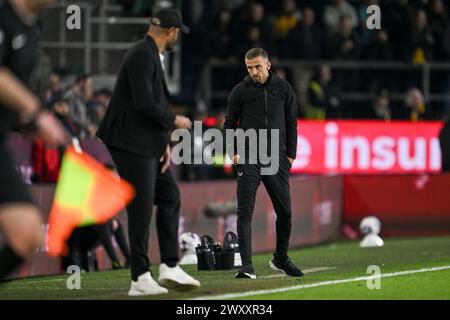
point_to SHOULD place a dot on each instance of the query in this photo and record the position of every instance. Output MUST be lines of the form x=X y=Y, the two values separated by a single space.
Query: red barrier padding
x=407 y=205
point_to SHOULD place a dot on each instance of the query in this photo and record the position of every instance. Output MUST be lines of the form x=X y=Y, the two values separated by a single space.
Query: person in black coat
x=135 y=130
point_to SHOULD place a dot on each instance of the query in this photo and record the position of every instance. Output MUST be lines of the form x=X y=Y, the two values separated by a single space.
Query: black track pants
x=277 y=186
x=152 y=187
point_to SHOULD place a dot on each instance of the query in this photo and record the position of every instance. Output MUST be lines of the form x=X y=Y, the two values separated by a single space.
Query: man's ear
x=268 y=65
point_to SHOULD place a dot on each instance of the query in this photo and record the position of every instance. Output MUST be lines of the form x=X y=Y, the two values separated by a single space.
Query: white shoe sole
x=275 y=268
x=135 y=293
x=172 y=284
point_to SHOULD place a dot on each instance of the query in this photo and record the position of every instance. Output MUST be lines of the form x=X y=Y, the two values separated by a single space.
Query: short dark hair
x=83 y=77
x=255 y=53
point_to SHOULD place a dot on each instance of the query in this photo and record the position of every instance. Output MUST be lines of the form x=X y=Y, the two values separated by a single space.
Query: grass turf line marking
x=318 y=284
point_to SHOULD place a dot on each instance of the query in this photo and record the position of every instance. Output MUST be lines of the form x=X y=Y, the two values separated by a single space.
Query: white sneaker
x=175 y=277
x=145 y=285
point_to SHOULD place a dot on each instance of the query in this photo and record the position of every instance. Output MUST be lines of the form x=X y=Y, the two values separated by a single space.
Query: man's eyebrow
x=256 y=66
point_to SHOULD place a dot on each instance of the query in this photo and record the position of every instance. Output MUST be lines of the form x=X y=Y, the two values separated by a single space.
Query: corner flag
x=87 y=193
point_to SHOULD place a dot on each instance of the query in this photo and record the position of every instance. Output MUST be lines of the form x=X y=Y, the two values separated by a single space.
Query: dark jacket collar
x=273 y=77
x=151 y=44
x=154 y=50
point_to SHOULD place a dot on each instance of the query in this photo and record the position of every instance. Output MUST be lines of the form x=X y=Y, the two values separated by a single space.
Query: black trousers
x=277 y=186
x=152 y=187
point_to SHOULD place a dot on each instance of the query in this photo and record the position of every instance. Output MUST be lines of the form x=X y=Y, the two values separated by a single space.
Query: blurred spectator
x=77 y=97
x=258 y=20
x=53 y=89
x=286 y=20
x=439 y=26
x=396 y=18
x=220 y=42
x=345 y=44
x=421 y=40
x=378 y=48
x=415 y=105
x=380 y=107
x=324 y=96
x=304 y=42
x=61 y=109
x=96 y=108
x=253 y=39
x=334 y=12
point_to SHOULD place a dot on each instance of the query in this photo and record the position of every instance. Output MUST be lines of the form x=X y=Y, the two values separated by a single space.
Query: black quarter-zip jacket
x=271 y=105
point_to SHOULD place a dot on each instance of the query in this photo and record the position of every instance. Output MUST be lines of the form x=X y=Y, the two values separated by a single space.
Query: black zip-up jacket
x=272 y=105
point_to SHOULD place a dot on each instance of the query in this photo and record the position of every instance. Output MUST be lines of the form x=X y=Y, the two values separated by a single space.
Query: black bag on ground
x=205 y=256
x=230 y=244
x=213 y=256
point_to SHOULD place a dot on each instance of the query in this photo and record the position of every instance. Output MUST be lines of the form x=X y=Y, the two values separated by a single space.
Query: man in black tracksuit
x=263 y=101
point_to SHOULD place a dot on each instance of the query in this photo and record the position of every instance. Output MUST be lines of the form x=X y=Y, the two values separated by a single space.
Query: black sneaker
x=246 y=271
x=287 y=267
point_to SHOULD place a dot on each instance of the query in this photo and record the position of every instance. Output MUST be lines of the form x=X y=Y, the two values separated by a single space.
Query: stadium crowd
x=312 y=31
x=412 y=31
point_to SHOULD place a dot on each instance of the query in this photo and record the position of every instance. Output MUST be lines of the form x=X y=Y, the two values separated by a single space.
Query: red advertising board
x=367 y=147
x=407 y=205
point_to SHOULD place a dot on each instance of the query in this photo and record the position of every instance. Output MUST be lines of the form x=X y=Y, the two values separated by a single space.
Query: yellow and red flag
x=87 y=193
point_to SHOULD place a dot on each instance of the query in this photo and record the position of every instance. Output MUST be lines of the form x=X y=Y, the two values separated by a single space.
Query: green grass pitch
x=333 y=266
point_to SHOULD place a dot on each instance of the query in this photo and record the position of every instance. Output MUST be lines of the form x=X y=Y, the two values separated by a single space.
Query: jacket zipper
x=265 y=102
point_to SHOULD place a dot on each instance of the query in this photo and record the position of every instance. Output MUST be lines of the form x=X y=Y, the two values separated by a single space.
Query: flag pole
x=77 y=145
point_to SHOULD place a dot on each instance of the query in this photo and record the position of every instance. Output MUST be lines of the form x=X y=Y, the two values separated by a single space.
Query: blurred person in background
x=78 y=97
x=53 y=89
x=378 y=49
x=285 y=21
x=396 y=19
x=220 y=41
x=415 y=105
x=380 y=107
x=20 y=218
x=334 y=12
x=97 y=107
x=324 y=97
x=420 y=39
x=304 y=42
x=345 y=44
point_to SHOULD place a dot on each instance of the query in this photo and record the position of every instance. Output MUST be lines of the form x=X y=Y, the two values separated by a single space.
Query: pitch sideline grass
x=329 y=263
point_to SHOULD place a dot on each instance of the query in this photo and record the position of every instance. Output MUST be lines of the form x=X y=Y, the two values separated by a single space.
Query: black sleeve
x=234 y=110
x=3 y=47
x=291 y=110
x=140 y=71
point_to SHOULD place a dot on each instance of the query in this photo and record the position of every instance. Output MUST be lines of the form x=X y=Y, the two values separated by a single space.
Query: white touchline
x=318 y=284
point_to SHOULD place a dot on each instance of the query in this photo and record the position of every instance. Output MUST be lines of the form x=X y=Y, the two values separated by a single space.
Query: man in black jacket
x=263 y=101
x=135 y=130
